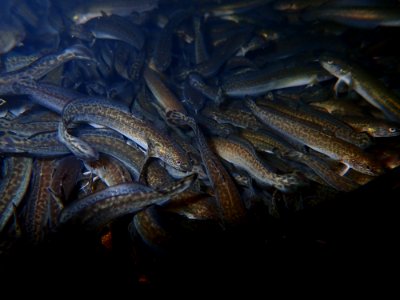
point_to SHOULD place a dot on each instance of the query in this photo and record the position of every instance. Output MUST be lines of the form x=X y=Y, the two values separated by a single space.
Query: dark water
x=287 y=241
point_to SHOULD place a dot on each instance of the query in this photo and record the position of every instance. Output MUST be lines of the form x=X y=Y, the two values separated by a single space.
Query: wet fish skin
x=374 y=127
x=200 y=49
x=326 y=122
x=77 y=146
x=234 y=7
x=16 y=177
x=227 y=195
x=164 y=96
x=197 y=82
x=115 y=27
x=261 y=82
x=314 y=138
x=37 y=208
x=146 y=223
x=82 y=11
x=236 y=117
x=41 y=67
x=47 y=145
x=368 y=87
x=244 y=157
x=141 y=132
x=361 y=17
x=163 y=49
x=109 y=170
x=102 y=207
x=322 y=169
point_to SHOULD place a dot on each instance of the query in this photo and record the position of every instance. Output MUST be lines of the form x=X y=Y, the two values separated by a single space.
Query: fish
x=307 y=134
x=263 y=81
x=162 y=54
x=9 y=81
x=98 y=209
x=13 y=186
x=82 y=11
x=360 y=17
x=105 y=113
x=243 y=156
x=37 y=211
x=163 y=95
x=374 y=127
x=229 y=202
x=115 y=27
x=364 y=83
x=109 y=170
x=327 y=123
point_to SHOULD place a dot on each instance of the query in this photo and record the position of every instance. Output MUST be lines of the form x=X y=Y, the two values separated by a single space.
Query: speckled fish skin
x=41 y=67
x=47 y=145
x=327 y=122
x=236 y=117
x=261 y=82
x=164 y=96
x=366 y=85
x=109 y=170
x=16 y=177
x=104 y=206
x=245 y=158
x=362 y=17
x=327 y=144
x=374 y=127
x=227 y=196
x=37 y=208
x=322 y=169
x=141 y=132
x=162 y=54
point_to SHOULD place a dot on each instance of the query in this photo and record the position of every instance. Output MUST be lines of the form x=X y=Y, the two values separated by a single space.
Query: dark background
x=349 y=241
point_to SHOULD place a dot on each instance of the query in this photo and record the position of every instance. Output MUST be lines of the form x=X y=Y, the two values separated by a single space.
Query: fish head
x=368 y=166
x=334 y=65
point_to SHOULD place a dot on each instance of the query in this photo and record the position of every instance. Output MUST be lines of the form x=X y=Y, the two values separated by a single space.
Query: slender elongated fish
x=14 y=184
x=365 y=84
x=104 y=206
x=38 y=206
x=306 y=133
x=226 y=193
x=82 y=11
x=261 y=82
x=327 y=122
x=372 y=126
x=244 y=157
x=141 y=132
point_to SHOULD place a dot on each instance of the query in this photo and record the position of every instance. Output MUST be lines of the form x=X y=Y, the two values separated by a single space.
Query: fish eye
x=392 y=129
x=330 y=62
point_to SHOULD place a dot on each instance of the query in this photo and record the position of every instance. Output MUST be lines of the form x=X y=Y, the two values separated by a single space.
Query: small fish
x=37 y=208
x=244 y=157
x=13 y=185
x=108 y=114
x=261 y=82
x=374 y=127
x=163 y=95
x=361 y=17
x=307 y=134
x=109 y=170
x=227 y=195
x=82 y=11
x=102 y=207
x=365 y=84
x=327 y=123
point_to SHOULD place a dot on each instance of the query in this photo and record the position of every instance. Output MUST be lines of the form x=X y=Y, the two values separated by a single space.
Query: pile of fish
x=199 y=109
